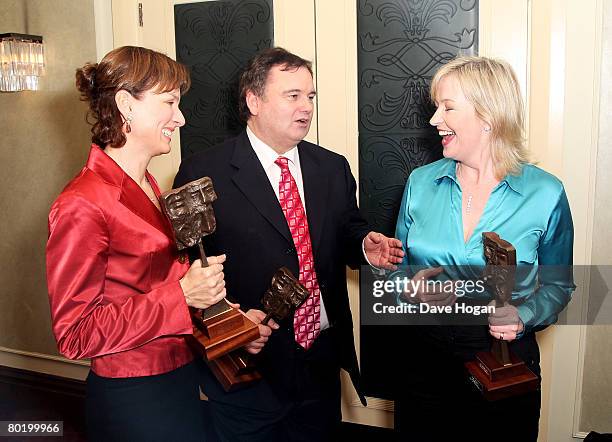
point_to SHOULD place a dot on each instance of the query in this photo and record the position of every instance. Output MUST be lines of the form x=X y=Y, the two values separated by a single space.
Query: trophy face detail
x=189 y=209
x=500 y=267
x=284 y=296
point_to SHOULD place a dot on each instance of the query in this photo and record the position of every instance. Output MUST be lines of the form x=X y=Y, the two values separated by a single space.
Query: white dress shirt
x=267 y=157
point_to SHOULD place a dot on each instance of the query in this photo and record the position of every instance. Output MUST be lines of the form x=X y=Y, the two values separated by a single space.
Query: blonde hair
x=492 y=88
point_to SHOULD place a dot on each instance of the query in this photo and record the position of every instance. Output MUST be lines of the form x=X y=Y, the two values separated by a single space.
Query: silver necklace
x=153 y=200
x=468 y=204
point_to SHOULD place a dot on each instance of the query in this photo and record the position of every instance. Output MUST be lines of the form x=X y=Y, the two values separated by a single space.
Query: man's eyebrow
x=292 y=91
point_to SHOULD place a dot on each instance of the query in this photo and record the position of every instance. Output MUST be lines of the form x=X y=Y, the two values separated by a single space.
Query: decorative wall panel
x=216 y=39
x=400 y=45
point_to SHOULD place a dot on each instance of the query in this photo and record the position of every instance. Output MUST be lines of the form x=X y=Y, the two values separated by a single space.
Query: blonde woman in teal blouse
x=484 y=183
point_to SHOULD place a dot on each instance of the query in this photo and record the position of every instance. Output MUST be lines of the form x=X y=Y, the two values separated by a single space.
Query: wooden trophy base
x=498 y=381
x=219 y=330
x=234 y=370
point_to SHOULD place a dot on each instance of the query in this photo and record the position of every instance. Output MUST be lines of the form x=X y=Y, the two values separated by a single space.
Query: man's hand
x=505 y=323
x=383 y=252
x=264 y=331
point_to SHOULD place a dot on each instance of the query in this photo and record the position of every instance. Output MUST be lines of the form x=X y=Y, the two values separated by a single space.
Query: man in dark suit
x=285 y=202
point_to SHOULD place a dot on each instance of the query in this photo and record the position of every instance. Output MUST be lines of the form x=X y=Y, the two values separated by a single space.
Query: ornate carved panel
x=216 y=39
x=400 y=45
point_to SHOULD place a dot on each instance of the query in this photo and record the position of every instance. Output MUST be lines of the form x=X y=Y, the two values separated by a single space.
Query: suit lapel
x=315 y=192
x=253 y=182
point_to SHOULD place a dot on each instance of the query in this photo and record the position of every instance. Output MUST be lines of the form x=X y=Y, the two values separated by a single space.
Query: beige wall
x=44 y=143
x=596 y=397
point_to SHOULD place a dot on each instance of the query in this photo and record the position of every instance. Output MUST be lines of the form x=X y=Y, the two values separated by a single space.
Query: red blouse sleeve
x=85 y=323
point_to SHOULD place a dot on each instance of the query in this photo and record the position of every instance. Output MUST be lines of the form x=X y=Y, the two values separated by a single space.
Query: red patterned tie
x=307 y=319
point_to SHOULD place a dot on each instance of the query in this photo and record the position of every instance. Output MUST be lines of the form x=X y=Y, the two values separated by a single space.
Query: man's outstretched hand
x=383 y=252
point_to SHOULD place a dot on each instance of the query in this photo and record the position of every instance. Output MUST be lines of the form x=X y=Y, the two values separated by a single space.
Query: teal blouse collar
x=450 y=172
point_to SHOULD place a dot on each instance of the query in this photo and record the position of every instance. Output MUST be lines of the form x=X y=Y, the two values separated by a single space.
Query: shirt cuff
x=375 y=270
x=526 y=316
x=177 y=307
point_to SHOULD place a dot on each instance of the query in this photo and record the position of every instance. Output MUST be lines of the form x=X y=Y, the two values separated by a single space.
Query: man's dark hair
x=256 y=73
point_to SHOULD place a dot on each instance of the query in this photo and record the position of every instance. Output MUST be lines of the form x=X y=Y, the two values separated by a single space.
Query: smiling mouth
x=167 y=132
x=444 y=133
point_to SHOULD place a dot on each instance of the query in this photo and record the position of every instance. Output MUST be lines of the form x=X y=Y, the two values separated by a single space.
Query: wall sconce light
x=22 y=62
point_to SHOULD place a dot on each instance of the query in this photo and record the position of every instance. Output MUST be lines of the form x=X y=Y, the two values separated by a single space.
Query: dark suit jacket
x=253 y=232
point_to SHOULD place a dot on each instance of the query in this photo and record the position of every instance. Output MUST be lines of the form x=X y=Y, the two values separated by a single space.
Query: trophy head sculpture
x=500 y=257
x=189 y=209
x=284 y=296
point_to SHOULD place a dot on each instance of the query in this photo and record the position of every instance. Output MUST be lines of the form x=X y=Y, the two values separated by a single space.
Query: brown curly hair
x=254 y=77
x=130 y=68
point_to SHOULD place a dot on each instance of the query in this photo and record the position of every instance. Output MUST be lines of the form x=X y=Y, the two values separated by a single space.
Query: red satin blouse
x=113 y=275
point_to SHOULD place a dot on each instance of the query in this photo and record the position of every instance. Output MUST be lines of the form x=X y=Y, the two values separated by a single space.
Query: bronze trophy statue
x=284 y=296
x=499 y=373
x=189 y=209
x=220 y=328
x=280 y=301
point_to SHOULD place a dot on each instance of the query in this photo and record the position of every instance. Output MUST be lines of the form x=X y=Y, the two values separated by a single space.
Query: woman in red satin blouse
x=118 y=292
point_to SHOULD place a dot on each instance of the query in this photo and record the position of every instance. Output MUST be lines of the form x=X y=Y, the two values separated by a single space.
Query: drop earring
x=128 y=124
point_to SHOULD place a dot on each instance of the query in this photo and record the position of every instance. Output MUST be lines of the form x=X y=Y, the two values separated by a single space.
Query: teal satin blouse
x=530 y=210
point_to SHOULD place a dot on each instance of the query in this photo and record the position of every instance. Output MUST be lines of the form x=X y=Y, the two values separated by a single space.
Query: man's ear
x=253 y=102
x=124 y=99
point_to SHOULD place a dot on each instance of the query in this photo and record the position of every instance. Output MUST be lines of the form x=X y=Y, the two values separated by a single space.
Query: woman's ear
x=123 y=99
x=486 y=126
